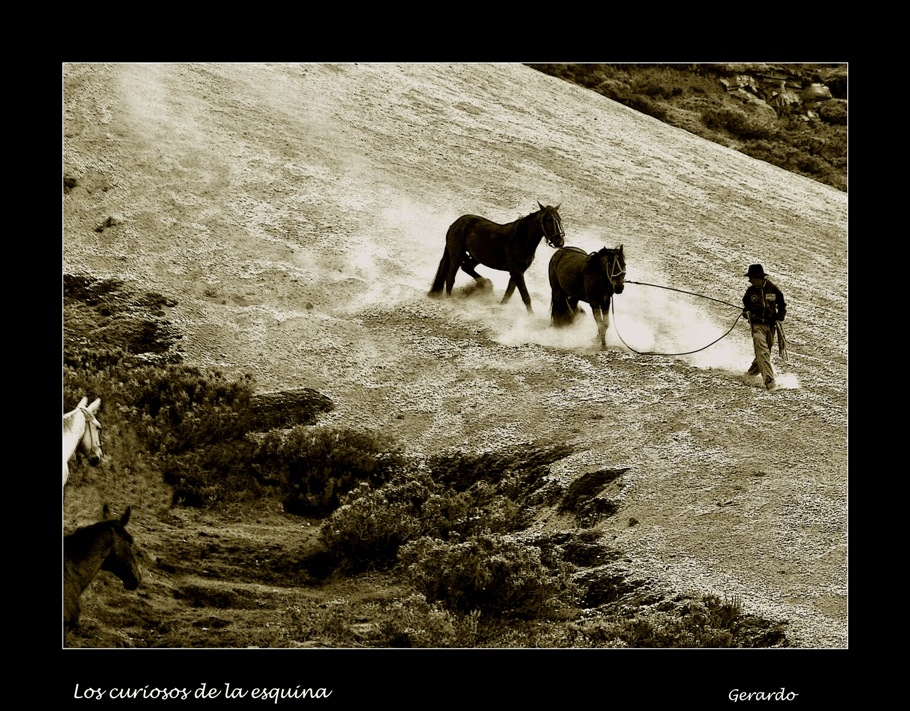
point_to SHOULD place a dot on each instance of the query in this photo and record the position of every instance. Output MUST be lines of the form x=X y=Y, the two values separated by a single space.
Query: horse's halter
x=560 y=234
x=617 y=270
x=93 y=427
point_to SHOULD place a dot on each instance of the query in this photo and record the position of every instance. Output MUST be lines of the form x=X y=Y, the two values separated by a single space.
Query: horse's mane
x=68 y=419
x=521 y=220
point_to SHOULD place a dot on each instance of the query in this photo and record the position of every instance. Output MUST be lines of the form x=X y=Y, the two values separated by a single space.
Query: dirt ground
x=297 y=214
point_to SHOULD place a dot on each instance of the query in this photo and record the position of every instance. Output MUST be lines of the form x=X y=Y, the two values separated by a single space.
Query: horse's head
x=122 y=559
x=551 y=225
x=614 y=266
x=91 y=437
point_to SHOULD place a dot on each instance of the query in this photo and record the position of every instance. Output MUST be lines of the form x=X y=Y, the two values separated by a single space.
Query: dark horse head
x=121 y=560
x=105 y=545
x=613 y=263
x=551 y=225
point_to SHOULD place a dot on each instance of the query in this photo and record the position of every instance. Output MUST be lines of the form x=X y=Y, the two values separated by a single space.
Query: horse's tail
x=441 y=273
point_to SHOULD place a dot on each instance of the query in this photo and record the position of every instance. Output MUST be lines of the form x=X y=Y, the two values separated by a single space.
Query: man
x=764 y=307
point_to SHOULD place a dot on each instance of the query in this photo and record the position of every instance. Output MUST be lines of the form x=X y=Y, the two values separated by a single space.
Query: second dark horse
x=473 y=240
x=577 y=276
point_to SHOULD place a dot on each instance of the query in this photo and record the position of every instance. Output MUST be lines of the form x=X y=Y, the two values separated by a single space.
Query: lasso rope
x=670 y=288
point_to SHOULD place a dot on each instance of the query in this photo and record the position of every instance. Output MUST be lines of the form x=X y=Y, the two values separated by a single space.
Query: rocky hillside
x=790 y=115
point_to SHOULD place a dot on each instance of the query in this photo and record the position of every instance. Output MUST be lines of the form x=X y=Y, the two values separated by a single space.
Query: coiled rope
x=682 y=291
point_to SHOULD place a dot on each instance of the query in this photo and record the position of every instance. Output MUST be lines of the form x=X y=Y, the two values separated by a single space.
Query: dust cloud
x=398 y=252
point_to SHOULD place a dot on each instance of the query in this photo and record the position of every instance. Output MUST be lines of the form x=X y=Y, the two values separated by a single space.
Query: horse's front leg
x=601 y=318
x=519 y=281
x=509 y=289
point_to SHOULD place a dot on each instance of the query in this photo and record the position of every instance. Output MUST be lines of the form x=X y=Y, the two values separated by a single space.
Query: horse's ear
x=93 y=408
x=541 y=206
x=557 y=207
x=82 y=403
x=620 y=248
x=126 y=515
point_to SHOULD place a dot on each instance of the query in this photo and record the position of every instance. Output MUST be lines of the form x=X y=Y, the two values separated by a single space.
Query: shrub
x=706 y=621
x=370 y=526
x=482 y=509
x=515 y=473
x=287 y=409
x=834 y=112
x=182 y=408
x=736 y=123
x=459 y=496
x=316 y=468
x=493 y=574
x=218 y=473
x=584 y=548
x=809 y=164
x=643 y=104
x=106 y=323
x=413 y=622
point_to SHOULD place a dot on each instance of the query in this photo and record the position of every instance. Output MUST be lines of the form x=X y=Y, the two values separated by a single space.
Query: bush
x=316 y=468
x=218 y=473
x=182 y=408
x=643 y=104
x=737 y=124
x=370 y=526
x=834 y=112
x=516 y=473
x=706 y=621
x=493 y=574
x=107 y=324
x=413 y=622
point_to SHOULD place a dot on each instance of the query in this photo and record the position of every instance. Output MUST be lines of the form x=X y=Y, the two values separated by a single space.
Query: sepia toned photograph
x=466 y=356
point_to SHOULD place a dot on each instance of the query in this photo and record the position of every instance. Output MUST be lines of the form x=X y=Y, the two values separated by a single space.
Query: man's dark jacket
x=765 y=303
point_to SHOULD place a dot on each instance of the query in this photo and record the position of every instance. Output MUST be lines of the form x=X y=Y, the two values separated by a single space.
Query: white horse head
x=81 y=428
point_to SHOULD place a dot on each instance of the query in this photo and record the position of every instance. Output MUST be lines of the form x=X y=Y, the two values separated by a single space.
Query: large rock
x=815 y=93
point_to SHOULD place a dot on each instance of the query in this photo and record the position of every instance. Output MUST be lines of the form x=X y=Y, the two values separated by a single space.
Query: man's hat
x=755 y=270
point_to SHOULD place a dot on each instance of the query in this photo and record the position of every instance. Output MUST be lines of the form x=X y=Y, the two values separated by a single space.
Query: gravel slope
x=298 y=213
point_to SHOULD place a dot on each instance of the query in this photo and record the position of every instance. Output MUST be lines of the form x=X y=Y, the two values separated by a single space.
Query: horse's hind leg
x=453 y=270
x=468 y=265
x=560 y=309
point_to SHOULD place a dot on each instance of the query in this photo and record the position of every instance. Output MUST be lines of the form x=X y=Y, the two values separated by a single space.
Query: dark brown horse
x=577 y=276
x=105 y=545
x=473 y=240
